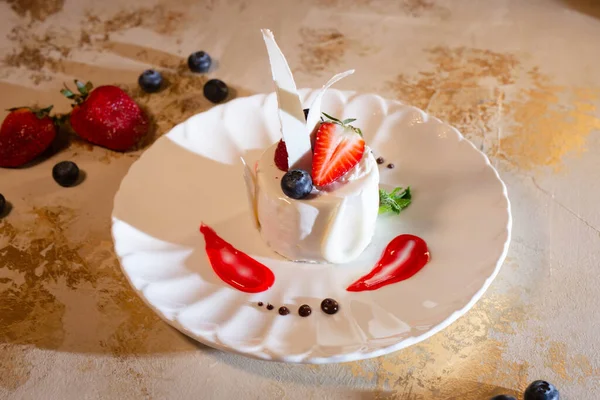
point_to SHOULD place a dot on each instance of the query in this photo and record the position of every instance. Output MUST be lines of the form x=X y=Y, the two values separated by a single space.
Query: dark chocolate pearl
x=304 y=310
x=330 y=306
x=260 y=303
x=380 y=160
x=270 y=306
x=283 y=310
x=390 y=166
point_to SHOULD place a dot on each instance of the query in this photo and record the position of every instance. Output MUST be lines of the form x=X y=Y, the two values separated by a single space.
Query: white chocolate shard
x=291 y=115
x=314 y=113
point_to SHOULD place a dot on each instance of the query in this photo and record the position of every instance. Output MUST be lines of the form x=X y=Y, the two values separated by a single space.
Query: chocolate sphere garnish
x=330 y=306
x=304 y=310
x=283 y=310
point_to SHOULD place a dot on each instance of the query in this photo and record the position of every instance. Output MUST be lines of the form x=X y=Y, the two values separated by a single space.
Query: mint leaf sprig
x=394 y=201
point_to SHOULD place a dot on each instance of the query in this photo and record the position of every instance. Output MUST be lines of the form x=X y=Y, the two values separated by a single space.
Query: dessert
x=322 y=205
x=315 y=197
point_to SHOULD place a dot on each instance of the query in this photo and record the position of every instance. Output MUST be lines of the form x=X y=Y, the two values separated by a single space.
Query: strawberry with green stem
x=26 y=133
x=338 y=147
x=106 y=116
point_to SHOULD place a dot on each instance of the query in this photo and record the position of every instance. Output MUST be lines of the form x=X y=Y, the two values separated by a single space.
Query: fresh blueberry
x=65 y=173
x=2 y=203
x=215 y=90
x=199 y=61
x=306 y=110
x=150 y=81
x=503 y=397
x=296 y=184
x=541 y=390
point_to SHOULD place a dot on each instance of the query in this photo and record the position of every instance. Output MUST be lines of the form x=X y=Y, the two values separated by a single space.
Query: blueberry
x=541 y=390
x=150 y=81
x=65 y=173
x=199 y=61
x=296 y=184
x=306 y=110
x=503 y=397
x=215 y=90
x=2 y=203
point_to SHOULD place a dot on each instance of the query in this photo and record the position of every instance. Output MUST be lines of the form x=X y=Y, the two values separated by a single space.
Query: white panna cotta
x=333 y=224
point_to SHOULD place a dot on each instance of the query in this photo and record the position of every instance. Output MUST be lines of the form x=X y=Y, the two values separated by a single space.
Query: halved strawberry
x=338 y=148
x=281 y=156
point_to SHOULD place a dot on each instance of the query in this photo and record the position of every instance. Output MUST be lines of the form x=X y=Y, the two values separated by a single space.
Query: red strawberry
x=107 y=116
x=25 y=134
x=281 y=156
x=338 y=148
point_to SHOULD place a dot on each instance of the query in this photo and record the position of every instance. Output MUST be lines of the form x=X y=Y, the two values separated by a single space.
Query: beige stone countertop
x=521 y=79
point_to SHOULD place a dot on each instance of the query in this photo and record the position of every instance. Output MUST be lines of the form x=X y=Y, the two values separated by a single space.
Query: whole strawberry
x=25 y=134
x=106 y=116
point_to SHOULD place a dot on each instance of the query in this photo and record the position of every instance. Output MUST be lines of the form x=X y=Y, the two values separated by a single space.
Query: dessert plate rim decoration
x=128 y=240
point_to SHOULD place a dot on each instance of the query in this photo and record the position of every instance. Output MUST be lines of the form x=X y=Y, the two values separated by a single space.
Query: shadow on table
x=62 y=287
x=378 y=383
x=588 y=7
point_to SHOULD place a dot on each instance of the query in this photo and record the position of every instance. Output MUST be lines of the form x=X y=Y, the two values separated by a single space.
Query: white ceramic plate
x=194 y=174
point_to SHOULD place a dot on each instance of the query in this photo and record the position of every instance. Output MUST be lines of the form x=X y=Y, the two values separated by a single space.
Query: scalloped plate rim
x=356 y=356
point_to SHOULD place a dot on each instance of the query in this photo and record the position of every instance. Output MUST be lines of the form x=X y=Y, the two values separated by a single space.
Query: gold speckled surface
x=518 y=78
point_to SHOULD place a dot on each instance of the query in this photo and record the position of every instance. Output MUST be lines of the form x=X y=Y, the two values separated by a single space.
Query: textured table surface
x=521 y=79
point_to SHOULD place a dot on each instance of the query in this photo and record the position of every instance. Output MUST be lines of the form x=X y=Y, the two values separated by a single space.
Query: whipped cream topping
x=364 y=167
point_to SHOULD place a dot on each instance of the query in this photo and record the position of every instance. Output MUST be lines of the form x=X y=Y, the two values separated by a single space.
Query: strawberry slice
x=338 y=148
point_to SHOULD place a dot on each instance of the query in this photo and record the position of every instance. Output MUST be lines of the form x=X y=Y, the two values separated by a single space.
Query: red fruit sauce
x=235 y=267
x=403 y=257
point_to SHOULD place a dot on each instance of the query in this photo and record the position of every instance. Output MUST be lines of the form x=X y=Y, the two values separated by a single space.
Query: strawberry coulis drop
x=403 y=257
x=234 y=267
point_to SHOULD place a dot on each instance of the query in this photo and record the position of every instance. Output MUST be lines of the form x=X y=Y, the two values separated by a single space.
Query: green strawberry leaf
x=332 y=118
x=394 y=201
x=82 y=87
x=43 y=113
x=343 y=123
x=68 y=93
